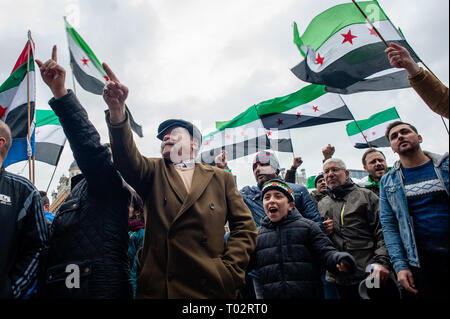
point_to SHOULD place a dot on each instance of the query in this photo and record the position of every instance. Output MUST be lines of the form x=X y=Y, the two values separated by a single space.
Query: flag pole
x=28 y=110
x=387 y=46
x=357 y=125
x=51 y=179
x=73 y=80
x=371 y=24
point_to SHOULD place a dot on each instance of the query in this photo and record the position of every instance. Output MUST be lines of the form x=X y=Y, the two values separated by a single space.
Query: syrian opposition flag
x=344 y=53
x=309 y=106
x=373 y=129
x=15 y=93
x=49 y=137
x=88 y=70
x=242 y=136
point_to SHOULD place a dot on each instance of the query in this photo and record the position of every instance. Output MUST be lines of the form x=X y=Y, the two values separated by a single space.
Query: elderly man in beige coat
x=186 y=205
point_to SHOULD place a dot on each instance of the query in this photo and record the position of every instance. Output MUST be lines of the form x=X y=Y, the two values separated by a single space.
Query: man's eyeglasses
x=333 y=169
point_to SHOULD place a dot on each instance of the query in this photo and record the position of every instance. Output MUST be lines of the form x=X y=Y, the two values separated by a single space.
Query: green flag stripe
x=16 y=78
x=297 y=40
x=323 y=26
x=282 y=104
x=250 y=115
x=376 y=119
x=83 y=45
x=46 y=117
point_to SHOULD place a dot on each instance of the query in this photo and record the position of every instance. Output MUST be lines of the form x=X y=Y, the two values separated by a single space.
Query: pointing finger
x=110 y=73
x=54 y=54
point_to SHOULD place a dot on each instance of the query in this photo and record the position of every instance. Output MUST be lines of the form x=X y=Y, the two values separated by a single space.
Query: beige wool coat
x=184 y=253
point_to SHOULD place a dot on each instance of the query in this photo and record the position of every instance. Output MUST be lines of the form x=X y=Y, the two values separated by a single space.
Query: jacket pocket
x=225 y=277
x=68 y=280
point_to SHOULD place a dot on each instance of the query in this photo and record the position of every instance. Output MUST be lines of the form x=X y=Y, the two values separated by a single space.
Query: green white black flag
x=373 y=129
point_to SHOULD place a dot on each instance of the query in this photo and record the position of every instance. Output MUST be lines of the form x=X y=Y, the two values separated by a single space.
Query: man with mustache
x=374 y=163
x=186 y=205
x=352 y=222
x=414 y=214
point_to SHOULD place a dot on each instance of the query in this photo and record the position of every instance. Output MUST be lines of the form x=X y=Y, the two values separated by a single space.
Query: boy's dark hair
x=369 y=151
x=44 y=198
x=137 y=204
x=397 y=123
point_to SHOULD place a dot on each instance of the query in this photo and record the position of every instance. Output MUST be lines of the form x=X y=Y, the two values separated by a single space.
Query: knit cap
x=279 y=185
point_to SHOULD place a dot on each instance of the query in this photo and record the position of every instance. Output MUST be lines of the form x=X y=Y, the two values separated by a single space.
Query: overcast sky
x=209 y=60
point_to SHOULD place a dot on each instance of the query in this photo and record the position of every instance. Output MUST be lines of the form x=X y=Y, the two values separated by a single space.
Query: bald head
x=5 y=140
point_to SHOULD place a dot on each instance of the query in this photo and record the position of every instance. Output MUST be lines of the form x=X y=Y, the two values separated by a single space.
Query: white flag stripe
x=17 y=96
x=328 y=49
x=50 y=134
x=379 y=131
x=319 y=106
x=235 y=135
x=87 y=66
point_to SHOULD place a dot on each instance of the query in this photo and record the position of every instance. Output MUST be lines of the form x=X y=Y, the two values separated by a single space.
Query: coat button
x=165 y=201
x=211 y=206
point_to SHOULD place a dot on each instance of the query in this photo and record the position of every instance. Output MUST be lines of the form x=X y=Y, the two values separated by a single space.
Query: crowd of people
x=173 y=227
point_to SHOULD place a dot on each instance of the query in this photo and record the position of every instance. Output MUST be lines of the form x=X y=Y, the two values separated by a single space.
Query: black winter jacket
x=23 y=234
x=290 y=255
x=91 y=227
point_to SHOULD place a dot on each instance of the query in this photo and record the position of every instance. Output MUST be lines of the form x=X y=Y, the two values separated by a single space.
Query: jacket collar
x=436 y=158
x=341 y=191
x=290 y=217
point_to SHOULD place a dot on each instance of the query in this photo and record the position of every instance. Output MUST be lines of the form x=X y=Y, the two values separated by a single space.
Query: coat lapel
x=175 y=181
x=202 y=176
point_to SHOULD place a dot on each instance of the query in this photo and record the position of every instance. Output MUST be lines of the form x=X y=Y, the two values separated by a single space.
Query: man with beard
x=374 y=163
x=353 y=225
x=186 y=205
x=414 y=214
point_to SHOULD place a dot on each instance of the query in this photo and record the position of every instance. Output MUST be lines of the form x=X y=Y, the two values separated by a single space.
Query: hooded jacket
x=290 y=255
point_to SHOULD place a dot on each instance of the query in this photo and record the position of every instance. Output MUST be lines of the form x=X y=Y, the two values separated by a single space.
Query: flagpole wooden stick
x=371 y=24
x=28 y=111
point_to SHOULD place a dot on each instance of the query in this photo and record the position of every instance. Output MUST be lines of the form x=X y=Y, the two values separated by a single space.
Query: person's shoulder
x=20 y=181
x=297 y=187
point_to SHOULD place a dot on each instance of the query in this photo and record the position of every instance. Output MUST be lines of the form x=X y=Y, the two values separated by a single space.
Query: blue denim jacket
x=303 y=202
x=398 y=229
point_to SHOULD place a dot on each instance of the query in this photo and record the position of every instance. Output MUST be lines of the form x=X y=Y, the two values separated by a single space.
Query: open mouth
x=273 y=210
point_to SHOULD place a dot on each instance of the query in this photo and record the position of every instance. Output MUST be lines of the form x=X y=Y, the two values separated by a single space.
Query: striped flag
x=49 y=137
x=310 y=106
x=267 y=125
x=344 y=53
x=373 y=129
x=242 y=136
x=88 y=70
x=14 y=95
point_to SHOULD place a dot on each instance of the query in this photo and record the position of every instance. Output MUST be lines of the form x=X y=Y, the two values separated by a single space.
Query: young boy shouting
x=291 y=249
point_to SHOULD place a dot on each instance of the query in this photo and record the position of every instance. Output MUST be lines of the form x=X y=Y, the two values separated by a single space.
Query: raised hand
x=53 y=74
x=115 y=95
x=297 y=162
x=399 y=57
x=328 y=152
x=221 y=160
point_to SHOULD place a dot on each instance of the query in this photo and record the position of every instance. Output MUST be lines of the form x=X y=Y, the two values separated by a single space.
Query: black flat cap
x=192 y=129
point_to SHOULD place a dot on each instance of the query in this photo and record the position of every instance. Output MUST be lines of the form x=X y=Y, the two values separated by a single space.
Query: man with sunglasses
x=352 y=222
